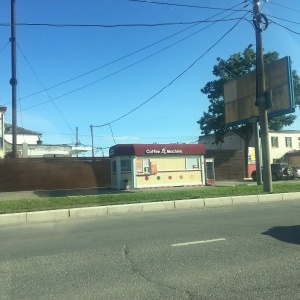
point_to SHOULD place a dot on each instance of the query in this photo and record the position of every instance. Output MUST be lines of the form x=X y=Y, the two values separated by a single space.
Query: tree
x=238 y=64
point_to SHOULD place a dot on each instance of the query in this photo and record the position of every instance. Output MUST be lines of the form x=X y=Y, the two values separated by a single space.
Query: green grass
x=113 y=198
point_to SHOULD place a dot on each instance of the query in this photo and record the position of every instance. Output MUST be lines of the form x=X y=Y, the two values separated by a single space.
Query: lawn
x=123 y=197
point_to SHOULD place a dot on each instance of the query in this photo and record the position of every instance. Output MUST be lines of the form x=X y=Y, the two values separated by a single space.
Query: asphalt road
x=237 y=252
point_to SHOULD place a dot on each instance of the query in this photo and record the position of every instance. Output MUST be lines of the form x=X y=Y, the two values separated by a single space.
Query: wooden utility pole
x=261 y=99
x=13 y=80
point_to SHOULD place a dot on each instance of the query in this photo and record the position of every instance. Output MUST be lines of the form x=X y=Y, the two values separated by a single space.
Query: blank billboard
x=240 y=94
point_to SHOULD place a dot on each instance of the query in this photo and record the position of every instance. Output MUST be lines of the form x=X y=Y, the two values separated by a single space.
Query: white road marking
x=198 y=242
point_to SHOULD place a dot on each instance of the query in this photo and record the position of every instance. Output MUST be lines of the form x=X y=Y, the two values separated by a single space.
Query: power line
x=289 y=21
x=293 y=31
x=175 y=79
x=120 y=70
x=273 y=3
x=123 y=57
x=180 y=5
x=44 y=88
x=4 y=46
x=110 y=63
x=117 y=25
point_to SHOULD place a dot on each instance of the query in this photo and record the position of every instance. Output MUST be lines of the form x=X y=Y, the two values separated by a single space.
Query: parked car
x=296 y=172
x=279 y=171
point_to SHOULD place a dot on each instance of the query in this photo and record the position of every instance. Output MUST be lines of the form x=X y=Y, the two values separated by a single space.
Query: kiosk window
x=125 y=165
x=192 y=163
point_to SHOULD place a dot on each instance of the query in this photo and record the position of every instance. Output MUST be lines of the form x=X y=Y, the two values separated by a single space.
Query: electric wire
x=293 y=31
x=289 y=21
x=123 y=57
x=4 y=46
x=283 y=6
x=110 y=63
x=37 y=77
x=176 y=78
x=118 y=71
x=180 y=5
x=118 y=25
x=112 y=134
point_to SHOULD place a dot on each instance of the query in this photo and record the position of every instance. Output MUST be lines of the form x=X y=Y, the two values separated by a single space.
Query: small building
x=29 y=144
x=157 y=165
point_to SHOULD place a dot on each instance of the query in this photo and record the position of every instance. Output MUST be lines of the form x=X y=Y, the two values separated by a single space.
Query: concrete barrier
x=88 y=212
x=218 y=201
x=291 y=196
x=126 y=208
x=154 y=206
x=49 y=215
x=13 y=218
x=269 y=197
x=189 y=203
x=244 y=199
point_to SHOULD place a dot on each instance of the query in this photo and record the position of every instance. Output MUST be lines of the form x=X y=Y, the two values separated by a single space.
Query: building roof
x=3 y=108
x=157 y=149
x=20 y=130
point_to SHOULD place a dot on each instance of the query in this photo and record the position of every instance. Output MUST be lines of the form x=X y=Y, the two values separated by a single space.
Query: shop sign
x=163 y=151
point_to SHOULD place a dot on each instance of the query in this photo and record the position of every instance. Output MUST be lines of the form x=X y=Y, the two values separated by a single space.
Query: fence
x=30 y=174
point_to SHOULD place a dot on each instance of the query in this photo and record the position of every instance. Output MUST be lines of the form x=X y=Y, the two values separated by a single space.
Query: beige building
x=284 y=144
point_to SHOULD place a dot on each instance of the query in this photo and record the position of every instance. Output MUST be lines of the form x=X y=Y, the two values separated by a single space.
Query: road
x=237 y=252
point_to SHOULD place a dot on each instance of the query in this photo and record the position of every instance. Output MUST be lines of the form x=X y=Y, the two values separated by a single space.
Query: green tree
x=238 y=64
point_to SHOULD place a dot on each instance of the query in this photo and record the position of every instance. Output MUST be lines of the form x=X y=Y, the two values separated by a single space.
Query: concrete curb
x=84 y=212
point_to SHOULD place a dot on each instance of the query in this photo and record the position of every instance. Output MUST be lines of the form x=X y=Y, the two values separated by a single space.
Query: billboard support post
x=261 y=97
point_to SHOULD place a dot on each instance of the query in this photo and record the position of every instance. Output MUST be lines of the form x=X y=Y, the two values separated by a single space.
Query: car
x=279 y=171
x=296 y=172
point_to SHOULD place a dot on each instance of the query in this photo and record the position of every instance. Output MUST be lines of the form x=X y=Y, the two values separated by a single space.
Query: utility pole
x=13 y=80
x=261 y=100
x=92 y=134
x=77 y=140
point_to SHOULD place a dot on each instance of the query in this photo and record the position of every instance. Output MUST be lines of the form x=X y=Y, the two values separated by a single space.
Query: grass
x=115 y=197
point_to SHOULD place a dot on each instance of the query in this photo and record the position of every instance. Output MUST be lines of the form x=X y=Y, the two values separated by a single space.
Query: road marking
x=198 y=242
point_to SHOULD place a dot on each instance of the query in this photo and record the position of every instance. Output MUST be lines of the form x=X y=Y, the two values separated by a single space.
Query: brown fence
x=229 y=164
x=33 y=174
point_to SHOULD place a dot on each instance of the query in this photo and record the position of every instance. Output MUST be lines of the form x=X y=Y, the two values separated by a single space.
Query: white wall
x=28 y=139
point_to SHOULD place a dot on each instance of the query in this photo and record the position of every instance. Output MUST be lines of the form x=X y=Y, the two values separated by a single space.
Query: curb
x=84 y=212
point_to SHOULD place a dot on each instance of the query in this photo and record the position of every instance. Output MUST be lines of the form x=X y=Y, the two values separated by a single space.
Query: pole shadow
x=287 y=234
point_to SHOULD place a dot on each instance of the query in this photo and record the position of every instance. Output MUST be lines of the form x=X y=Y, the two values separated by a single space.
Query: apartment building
x=284 y=144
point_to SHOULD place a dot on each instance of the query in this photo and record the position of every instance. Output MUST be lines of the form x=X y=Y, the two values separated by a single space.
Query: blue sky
x=141 y=82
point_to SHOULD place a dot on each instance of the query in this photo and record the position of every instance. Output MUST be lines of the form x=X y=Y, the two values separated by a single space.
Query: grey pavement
x=85 y=212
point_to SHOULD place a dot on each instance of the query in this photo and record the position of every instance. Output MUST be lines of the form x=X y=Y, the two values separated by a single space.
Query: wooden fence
x=229 y=164
x=31 y=174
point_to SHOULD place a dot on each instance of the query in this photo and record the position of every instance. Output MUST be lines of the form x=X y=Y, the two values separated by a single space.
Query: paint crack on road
x=135 y=271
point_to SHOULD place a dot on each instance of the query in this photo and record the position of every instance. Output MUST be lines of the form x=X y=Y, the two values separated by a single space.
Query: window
x=192 y=163
x=143 y=166
x=125 y=165
x=288 y=142
x=114 y=166
x=274 y=142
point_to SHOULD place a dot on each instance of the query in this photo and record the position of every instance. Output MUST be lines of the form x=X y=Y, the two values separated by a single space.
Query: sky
x=128 y=82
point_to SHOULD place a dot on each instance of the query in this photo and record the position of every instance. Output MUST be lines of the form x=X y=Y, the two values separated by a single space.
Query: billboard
x=240 y=94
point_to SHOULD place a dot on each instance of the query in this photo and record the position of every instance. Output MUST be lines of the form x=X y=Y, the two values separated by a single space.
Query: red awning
x=157 y=149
